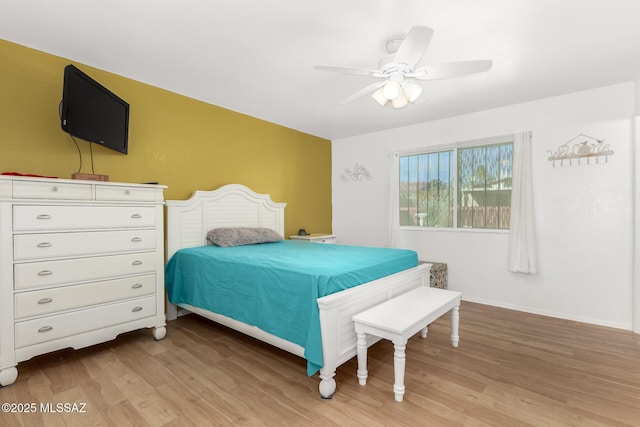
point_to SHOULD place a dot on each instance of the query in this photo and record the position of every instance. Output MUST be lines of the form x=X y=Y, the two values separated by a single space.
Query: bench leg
x=362 y=358
x=455 y=322
x=399 y=361
x=423 y=333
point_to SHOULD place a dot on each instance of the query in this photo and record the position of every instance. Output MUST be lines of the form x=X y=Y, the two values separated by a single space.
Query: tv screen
x=91 y=112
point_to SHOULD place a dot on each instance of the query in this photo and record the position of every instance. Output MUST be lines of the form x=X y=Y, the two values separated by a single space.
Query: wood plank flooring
x=511 y=369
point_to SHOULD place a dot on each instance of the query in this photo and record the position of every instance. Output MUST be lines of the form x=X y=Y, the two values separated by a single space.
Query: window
x=468 y=186
x=426 y=189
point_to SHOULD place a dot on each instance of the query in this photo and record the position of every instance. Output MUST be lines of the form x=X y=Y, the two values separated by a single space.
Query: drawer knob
x=137 y=239
x=136 y=216
x=136 y=309
x=44 y=216
x=45 y=301
x=127 y=192
x=136 y=262
x=45 y=329
x=136 y=286
x=54 y=189
x=44 y=245
x=45 y=273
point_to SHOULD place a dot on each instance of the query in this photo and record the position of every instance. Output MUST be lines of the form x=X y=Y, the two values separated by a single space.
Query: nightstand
x=316 y=238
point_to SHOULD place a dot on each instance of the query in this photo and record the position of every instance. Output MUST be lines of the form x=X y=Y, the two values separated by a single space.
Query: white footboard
x=337 y=311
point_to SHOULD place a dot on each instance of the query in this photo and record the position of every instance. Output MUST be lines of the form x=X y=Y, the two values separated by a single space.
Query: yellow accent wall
x=177 y=141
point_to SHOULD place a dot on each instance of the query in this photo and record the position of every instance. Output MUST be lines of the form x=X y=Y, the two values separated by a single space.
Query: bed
x=331 y=298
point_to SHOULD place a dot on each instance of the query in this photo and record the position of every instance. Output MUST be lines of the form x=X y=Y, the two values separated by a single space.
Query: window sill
x=456 y=230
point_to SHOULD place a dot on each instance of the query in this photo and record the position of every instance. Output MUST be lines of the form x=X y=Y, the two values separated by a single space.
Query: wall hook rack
x=579 y=147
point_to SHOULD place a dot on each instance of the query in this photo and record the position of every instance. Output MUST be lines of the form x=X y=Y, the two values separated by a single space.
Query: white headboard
x=232 y=205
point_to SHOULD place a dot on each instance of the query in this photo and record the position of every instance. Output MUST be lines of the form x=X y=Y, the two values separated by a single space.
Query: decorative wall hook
x=358 y=173
x=581 y=146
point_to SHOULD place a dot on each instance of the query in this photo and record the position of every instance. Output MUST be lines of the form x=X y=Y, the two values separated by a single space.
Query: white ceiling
x=257 y=56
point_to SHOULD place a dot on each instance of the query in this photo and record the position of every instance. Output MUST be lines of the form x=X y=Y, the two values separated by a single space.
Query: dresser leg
x=8 y=376
x=159 y=333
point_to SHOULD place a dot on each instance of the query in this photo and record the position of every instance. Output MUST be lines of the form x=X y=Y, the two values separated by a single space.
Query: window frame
x=502 y=139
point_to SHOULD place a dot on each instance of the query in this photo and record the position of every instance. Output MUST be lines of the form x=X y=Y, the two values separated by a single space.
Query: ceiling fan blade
x=351 y=70
x=413 y=46
x=364 y=91
x=450 y=70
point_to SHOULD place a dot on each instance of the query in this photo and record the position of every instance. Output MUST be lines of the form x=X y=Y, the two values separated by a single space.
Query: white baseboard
x=599 y=322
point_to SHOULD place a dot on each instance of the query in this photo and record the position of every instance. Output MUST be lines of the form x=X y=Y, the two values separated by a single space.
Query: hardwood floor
x=511 y=369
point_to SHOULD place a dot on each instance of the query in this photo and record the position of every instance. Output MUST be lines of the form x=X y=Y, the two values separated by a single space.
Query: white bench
x=398 y=319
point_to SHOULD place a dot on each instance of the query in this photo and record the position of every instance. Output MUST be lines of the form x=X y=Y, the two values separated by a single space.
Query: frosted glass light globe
x=391 y=90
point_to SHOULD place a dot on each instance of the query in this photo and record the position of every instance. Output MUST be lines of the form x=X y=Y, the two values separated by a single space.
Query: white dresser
x=80 y=263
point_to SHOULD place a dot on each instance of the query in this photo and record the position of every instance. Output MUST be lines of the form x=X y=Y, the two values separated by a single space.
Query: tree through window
x=429 y=196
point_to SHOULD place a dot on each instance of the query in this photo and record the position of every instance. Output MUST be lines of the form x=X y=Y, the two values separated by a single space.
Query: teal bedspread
x=275 y=286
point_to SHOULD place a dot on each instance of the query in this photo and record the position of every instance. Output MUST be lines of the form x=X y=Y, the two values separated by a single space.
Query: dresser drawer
x=132 y=194
x=51 y=190
x=32 y=218
x=48 y=273
x=52 y=245
x=46 y=301
x=49 y=328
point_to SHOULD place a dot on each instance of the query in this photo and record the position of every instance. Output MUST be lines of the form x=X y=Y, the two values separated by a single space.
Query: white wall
x=584 y=214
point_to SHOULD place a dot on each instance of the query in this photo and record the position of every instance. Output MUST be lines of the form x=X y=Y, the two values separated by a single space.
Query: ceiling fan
x=398 y=73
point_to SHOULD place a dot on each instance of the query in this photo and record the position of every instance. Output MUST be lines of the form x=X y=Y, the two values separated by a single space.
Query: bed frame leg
x=172 y=311
x=327 y=385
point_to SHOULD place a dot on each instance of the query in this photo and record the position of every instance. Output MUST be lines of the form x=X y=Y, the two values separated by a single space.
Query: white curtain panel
x=394 y=211
x=522 y=236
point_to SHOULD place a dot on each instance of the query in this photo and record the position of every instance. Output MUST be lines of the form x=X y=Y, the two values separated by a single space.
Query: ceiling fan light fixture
x=379 y=97
x=412 y=90
x=399 y=74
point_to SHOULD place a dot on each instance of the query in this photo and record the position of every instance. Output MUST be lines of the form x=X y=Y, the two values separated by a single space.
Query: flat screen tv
x=92 y=112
